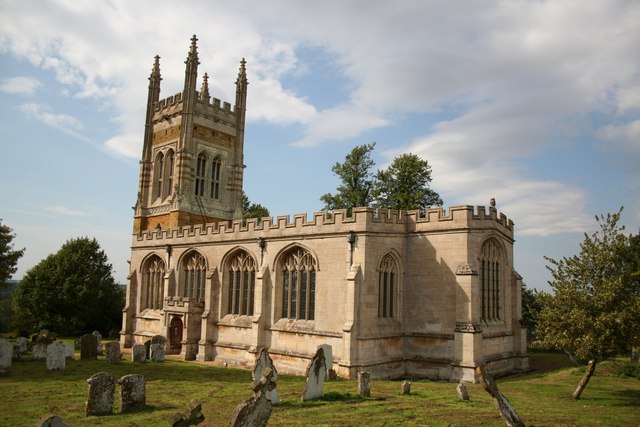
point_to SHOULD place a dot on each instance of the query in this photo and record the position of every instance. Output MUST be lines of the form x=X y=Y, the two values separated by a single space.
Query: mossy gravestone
x=102 y=388
x=88 y=347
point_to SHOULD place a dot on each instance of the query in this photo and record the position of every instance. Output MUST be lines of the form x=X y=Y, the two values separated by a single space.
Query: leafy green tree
x=8 y=256
x=356 y=180
x=253 y=210
x=594 y=312
x=530 y=309
x=71 y=292
x=405 y=185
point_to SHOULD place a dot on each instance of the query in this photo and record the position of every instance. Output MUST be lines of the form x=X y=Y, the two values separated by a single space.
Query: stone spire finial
x=155 y=71
x=242 y=73
x=193 y=51
x=204 y=91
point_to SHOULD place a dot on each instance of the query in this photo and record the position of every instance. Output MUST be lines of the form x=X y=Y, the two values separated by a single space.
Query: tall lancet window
x=241 y=272
x=201 y=168
x=194 y=276
x=490 y=273
x=168 y=175
x=216 y=165
x=152 y=283
x=387 y=287
x=298 y=285
x=157 y=173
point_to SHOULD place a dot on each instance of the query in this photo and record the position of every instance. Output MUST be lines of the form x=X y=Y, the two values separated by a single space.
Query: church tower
x=192 y=167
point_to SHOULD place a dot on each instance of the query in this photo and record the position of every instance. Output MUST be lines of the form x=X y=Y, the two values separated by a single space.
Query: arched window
x=387 y=287
x=157 y=173
x=152 y=283
x=201 y=167
x=168 y=173
x=194 y=276
x=490 y=271
x=298 y=285
x=241 y=272
x=216 y=165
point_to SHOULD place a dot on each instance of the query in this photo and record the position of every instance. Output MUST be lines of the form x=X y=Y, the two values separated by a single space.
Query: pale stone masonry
x=393 y=293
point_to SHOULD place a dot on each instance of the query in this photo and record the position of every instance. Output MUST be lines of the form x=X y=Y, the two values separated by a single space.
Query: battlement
x=213 y=104
x=361 y=220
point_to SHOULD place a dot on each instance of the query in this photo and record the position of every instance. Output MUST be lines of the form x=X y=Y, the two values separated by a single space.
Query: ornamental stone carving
x=468 y=327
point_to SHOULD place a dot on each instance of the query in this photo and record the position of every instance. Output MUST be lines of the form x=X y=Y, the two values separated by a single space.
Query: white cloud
x=20 y=85
x=62 y=122
x=64 y=211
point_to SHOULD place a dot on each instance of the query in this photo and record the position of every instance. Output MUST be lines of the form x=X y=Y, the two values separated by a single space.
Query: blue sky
x=534 y=103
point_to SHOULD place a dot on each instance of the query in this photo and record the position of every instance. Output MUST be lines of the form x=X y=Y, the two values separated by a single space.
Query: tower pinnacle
x=204 y=91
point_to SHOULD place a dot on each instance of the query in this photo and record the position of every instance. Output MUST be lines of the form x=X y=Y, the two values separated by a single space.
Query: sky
x=533 y=103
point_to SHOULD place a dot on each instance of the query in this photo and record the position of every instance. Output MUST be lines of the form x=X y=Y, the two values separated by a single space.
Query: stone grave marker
x=316 y=372
x=51 y=421
x=88 y=347
x=21 y=343
x=462 y=392
x=102 y=388
x=6 y=353
x=133 y=392
x=55 y=356
x=263 y=361
x=192 y=416
x=113 y=352
x=328 y=357
x=156 y=349
x=256 y=410
x=69 y=351
x=98 y=336
x=406 y=387
x=364 y=384
x=138 y=353
x=505 y=408
x=39 y=351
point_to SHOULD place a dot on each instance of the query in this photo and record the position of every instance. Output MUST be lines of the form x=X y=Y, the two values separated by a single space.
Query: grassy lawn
x=541 y=397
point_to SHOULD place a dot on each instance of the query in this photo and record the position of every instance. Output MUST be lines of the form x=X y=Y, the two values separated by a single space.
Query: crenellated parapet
x=368 y=220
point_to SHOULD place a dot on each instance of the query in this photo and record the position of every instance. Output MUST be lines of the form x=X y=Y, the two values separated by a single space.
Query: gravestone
x=69 y=351
x=316 y=372
x=505 y=408
x=263 y=361
x=156 y=349
x=98 y=336
x=138 y=353
x=406 y=387
x=364 y=384
x=113 y=352
x=88 y=347
x=256 y=410
x=51 y=421
x=6 y=353
x=102 y=387
x=39 y=351
x=192 y=416
x=133 y=393
x=147 y=349
x=328 y=357
x=21 y=344
x=462 y=392
x=55 y=356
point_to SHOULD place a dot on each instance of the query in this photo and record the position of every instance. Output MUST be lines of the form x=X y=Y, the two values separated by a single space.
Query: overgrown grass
x=541 y=397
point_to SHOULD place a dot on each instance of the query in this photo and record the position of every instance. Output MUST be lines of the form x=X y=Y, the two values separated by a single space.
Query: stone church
x=396 y=293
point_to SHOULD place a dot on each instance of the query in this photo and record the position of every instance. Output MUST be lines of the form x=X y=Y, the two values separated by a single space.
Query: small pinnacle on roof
x=492 y=202
x=204 y=92
x=193 y=51
x=155 y=71
x=242 y=73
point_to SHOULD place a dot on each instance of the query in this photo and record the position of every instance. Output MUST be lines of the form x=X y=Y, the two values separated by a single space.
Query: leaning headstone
x=406 y=387
x=6 y=353
x=256 y=410
x=69 y=351
x=113 y=352
x=55 y=356
x=39 y=351
x=505 y=408
x=156 y=350
x=138 y=353
x=263 y=361
x=98 y=336
x=102 y=387
x=328 y=356
x=21 y=344
x=88 y=347
x=462 y=392
x=133 y=393
x=364 y=384
x=192 y=416
x=316 y=371
x=51 y=421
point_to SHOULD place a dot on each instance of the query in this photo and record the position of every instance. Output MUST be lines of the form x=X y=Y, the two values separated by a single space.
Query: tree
x=8 y=256
x=530 y=309
x=71 y=292
x=252 y=210
x=594 y=312
x=357 y=180
x=405 y=185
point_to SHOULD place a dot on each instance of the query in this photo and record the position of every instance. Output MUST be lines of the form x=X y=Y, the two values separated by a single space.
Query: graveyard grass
x=541 y=397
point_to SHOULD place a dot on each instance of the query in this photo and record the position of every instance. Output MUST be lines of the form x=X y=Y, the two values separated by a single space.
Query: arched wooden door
x=175 y=334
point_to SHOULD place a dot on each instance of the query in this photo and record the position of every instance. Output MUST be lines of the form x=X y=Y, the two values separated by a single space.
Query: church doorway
x=175 y=334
